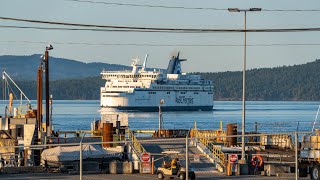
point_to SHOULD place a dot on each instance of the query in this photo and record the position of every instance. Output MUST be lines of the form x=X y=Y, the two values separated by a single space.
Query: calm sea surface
x=271 y=116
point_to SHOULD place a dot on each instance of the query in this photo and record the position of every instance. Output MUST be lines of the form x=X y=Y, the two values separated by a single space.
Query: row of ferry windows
x=156 y=93
x=169 y=87
x=132 y=76
x=124 y=86
x=152 y=92
x=159 y=87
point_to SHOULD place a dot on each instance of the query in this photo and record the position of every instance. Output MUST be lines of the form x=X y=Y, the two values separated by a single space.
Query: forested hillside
x=298 y=82
x=25 y=67
x=84 y=89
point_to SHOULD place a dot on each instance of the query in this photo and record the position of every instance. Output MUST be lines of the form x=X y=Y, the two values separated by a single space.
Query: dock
x=111 y=149
x=203 y=164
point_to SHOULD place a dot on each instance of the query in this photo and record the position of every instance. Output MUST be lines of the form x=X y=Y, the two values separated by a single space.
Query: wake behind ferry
x=145 y=90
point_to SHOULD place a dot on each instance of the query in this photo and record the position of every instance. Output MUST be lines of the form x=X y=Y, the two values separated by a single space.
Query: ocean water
x=270 y=116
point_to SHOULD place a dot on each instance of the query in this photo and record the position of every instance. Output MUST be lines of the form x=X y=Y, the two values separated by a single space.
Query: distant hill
x=297 y=82
x=25 y=67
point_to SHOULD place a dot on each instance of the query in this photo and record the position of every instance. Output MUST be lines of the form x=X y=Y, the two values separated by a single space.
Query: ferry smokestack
x=174 y=66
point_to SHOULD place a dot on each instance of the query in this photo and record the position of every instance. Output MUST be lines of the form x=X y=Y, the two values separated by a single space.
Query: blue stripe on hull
x=164 y=108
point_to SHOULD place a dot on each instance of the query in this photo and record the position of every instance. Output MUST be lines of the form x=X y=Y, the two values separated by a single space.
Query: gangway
x=158 y=145
x=207 y=140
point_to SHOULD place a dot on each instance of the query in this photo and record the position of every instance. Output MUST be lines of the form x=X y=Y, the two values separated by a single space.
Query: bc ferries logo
x=184 y=100
x=177 y=69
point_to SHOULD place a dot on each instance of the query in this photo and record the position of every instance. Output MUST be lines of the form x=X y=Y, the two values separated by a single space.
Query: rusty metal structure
x=107 y=134
x=39 y=97
x=231 y=130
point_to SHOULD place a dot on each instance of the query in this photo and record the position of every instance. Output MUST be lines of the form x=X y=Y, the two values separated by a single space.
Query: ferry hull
x=163 y=108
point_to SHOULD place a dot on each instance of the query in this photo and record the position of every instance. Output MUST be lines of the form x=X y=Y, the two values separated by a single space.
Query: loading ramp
x=159 y=145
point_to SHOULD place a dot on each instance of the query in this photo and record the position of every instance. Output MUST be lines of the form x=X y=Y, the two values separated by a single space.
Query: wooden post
x=152 y=165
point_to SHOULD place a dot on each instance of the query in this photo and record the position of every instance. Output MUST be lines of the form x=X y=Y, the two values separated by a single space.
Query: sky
x=74 y=44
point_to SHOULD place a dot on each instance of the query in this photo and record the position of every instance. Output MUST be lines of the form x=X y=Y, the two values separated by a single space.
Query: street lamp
x=160 y=117
x=244 y=74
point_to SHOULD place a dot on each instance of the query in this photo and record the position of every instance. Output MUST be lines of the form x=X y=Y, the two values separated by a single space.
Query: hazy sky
x=204 y=59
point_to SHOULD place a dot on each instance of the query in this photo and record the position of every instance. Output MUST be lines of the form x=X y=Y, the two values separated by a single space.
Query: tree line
x=298 y=82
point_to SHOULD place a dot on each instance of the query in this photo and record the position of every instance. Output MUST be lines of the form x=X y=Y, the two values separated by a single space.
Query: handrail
x=218 y=155
x=136 y=144
x=214 y=135
x=135 y=151
x=216 y=152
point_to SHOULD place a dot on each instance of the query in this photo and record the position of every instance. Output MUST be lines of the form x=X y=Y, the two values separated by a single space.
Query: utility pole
x=46 y=55
x=39 y=99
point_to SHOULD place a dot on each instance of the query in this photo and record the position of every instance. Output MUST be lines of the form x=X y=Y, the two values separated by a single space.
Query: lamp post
x=244 y=74
x=160 y=117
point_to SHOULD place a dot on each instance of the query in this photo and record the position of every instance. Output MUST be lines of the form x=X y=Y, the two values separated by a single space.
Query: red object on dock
x=145 y=157
x=107 y=134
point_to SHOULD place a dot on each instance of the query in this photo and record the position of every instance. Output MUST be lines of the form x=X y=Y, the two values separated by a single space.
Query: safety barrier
x=136 y=144
x=218 y=155
x=208 y=140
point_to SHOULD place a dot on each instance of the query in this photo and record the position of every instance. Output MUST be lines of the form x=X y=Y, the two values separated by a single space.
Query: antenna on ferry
x=179 y=58
x=145 y=62
x=134 y=65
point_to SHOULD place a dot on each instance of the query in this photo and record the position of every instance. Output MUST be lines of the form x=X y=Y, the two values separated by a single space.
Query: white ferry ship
x=143 y=90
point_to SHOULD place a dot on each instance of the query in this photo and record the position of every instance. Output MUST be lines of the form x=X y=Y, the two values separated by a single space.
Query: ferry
x=147 y=90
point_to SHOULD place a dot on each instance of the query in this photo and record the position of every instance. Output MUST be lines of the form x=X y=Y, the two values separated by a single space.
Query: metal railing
x=208 y=138
x=11 y=158
x=218 y=155
x=216 y=136
x=136 y=144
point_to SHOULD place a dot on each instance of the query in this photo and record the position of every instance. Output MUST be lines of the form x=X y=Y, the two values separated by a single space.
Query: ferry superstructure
x=143 y=90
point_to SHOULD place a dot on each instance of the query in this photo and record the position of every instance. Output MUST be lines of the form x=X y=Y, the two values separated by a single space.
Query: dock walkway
x=202 y=176
x=178 y=144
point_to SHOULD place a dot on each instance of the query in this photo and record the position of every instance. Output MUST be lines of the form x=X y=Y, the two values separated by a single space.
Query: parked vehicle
x=171 y=167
